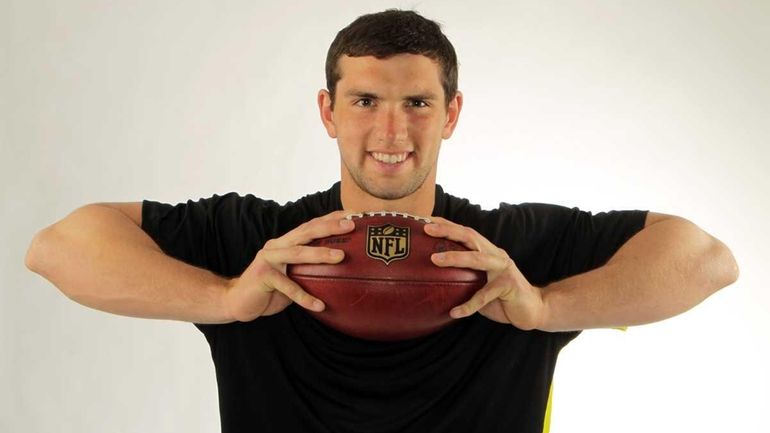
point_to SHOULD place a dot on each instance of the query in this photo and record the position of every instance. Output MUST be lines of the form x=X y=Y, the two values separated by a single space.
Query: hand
x=507 y=297
x=264 y=289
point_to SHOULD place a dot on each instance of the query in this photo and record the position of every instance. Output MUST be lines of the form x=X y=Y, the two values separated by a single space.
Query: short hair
x=385 y=34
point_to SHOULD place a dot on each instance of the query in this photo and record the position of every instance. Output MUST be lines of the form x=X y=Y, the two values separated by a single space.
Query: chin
x=390 y=189
x=388 y=195
x=391 y=193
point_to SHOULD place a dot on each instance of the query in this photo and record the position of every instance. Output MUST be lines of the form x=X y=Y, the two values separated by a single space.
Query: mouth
x=390 y=158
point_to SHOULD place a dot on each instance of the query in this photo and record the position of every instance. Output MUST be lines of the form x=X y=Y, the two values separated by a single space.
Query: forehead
x=399 y=71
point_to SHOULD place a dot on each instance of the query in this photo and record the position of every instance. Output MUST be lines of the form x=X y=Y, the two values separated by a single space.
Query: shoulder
x=232 y=209
x=530 y=217
x=537 y=223
x=506 y=216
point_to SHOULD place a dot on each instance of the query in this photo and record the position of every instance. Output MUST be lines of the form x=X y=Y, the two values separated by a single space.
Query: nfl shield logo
x=387 y=242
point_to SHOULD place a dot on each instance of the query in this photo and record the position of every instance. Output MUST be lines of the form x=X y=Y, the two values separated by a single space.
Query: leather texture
x=386 y=288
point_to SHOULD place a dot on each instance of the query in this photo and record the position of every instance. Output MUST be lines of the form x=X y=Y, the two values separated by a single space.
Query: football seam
x=327 y=278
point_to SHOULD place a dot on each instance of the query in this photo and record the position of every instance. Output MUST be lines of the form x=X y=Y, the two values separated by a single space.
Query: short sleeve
x=182 y=231
x=220 y=233
x=550 y=242
x=553 y=242
x=590 y=240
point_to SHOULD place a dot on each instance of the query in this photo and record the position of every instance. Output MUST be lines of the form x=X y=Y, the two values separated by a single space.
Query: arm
x=667 y=268
x=100 y=257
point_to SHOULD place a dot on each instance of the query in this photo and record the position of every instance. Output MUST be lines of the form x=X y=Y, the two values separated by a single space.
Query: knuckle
x=264 y=279
x=482 y=298
x=465 y=232
x=303 y=228
x=272 y=275
x=260 y=259
x=506 y=262
x=262 y=269
x=489 y=296
x=480 y=257
x=260 y=254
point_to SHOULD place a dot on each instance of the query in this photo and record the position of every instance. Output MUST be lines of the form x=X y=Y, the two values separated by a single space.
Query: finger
x=327 y=225
x=298 y=254
x=471 y=239
x=280 y=282
x=480 y=261
x=481 y=298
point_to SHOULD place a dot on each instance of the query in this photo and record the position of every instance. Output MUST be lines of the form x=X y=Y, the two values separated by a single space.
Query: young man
x=220 y=263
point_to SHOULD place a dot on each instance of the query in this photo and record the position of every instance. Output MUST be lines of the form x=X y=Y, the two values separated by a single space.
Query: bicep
x=133 y=210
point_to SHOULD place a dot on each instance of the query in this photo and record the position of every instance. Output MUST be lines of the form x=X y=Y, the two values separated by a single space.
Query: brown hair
x=385 y=34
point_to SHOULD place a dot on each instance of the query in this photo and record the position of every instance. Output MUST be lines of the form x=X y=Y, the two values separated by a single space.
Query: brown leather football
x=386 y=288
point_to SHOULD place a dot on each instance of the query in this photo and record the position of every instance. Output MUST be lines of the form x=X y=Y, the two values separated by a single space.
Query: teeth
x=390 y=158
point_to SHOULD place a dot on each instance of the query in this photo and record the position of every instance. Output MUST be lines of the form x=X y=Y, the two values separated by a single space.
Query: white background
x=659 y=105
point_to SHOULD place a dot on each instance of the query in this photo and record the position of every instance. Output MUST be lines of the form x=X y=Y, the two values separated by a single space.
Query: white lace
x=385 y=213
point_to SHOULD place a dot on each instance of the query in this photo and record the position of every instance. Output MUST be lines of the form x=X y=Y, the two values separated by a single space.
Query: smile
x=390 y=158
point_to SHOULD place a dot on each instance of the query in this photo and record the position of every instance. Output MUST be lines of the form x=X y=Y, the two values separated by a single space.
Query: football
x=387 y=288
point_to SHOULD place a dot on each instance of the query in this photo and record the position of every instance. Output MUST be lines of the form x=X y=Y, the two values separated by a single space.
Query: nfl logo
x=387 y=242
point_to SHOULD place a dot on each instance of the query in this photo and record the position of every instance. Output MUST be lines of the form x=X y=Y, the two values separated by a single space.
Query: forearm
x=664 y=270
x=99 y=258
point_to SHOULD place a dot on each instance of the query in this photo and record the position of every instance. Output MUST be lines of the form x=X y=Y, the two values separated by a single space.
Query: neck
x=419 y=203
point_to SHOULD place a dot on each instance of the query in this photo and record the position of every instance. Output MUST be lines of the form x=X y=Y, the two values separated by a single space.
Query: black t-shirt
x=290 y=373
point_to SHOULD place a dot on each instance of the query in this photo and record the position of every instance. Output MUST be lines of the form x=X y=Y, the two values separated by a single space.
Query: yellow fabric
x=547 y=421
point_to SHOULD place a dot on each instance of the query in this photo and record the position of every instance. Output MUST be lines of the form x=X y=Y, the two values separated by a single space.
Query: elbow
x=715 y=265
x=724 y=268
x=44 y=258
x=733 y=271
x=32 y=258
x=45 y=247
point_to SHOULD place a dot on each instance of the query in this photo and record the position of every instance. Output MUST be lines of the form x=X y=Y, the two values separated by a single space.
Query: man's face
x=389 y=118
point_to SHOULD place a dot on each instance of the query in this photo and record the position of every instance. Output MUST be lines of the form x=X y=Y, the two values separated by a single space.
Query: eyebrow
x=429 y=96
x=361 y=94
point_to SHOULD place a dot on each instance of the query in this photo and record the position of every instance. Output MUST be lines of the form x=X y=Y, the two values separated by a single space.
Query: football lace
x=386 y=213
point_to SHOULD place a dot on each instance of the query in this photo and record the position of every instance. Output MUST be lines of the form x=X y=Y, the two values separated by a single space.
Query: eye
x=417 y=103
x=365 y=102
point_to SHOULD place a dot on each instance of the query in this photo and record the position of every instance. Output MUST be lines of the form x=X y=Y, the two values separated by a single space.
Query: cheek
x=353 y=127
x=425 y=126
x=351 y=140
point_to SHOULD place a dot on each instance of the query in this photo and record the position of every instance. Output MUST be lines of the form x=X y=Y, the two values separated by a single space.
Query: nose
x=392 y=126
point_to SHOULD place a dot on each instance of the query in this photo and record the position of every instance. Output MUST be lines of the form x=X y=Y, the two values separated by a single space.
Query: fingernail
x=336 y=254
x=318 y=305
x=439 y=257
x=346 y=223
x=456 y=313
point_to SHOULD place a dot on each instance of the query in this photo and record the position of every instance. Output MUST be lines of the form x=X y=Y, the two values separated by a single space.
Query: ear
x=452 y=114
x=327 y=114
